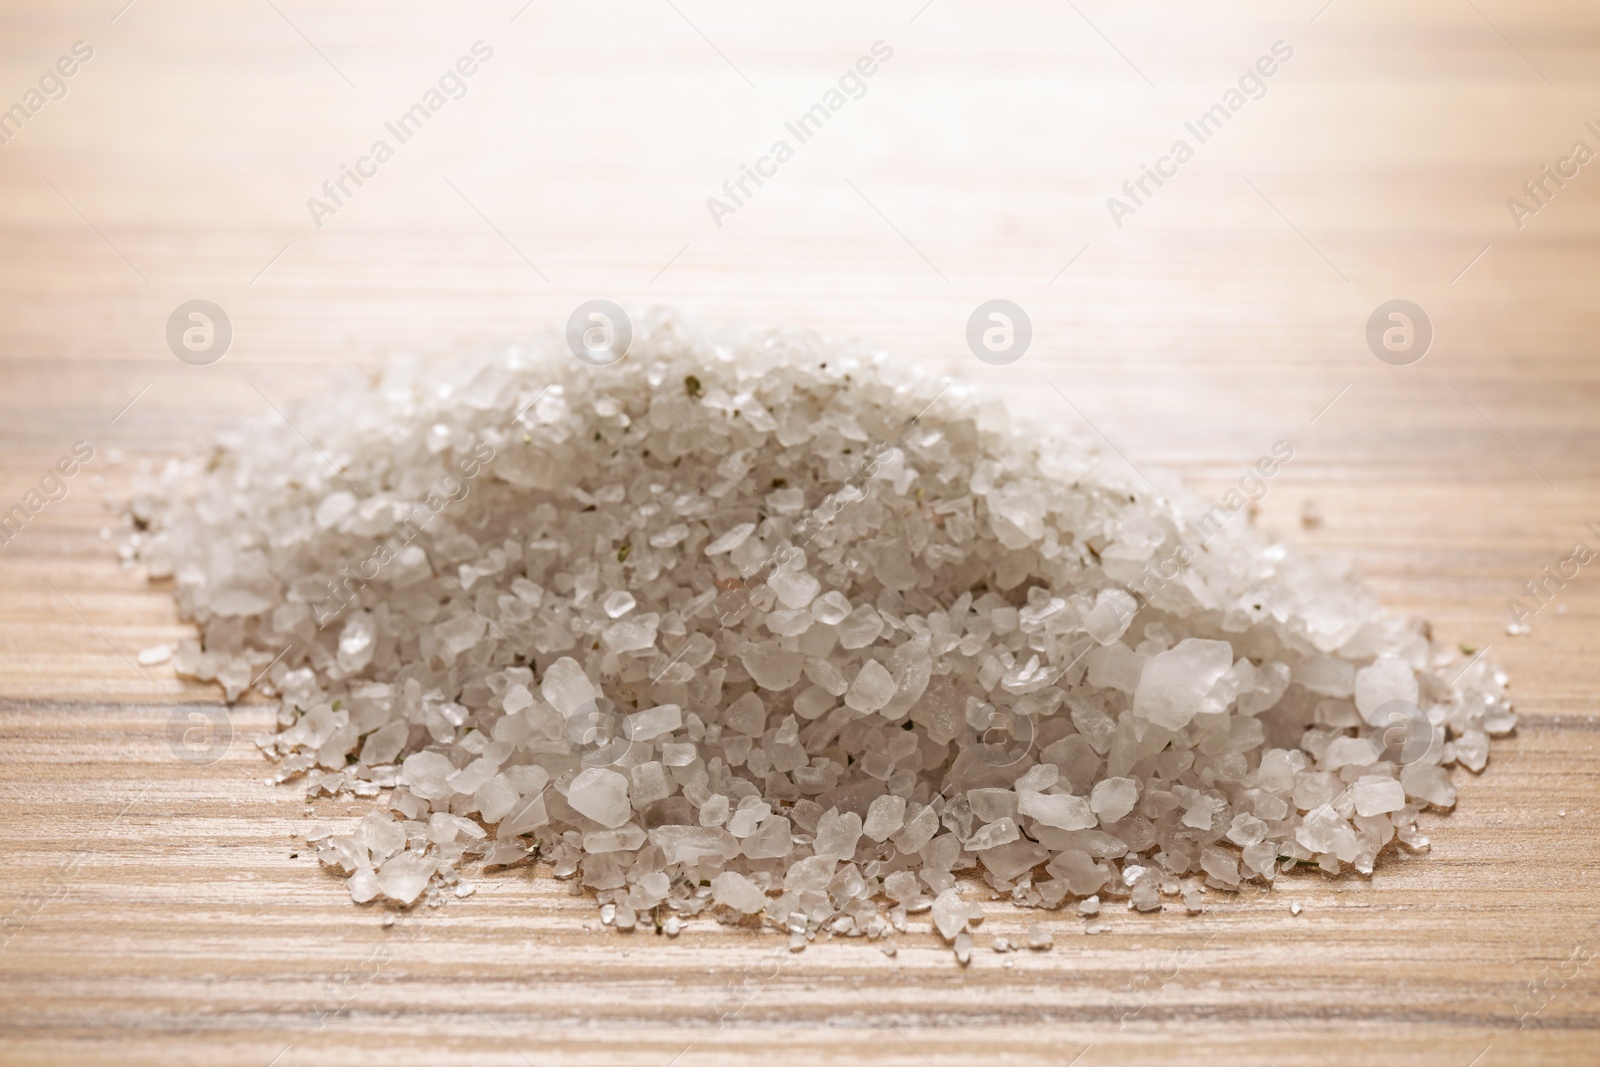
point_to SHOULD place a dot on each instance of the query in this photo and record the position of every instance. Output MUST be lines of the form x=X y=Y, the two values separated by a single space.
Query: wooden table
x=155 y=910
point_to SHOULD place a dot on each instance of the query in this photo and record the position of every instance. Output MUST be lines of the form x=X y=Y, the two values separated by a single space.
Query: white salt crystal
x=1377 y=795
x=949 y=914
x=837 y=834
x=744 y=821
x=1350 y=752
x=737 y=892
x=149 y=657
x=679 y=755
x=795 y=589
x=1428 y=782
x=404 y=877
x=516 y=699
x=619 y=603
x=355 y=641
x=731 y=540
x=385 y=743
x=771 y=665
x=648 y=783
x=495 y=798
x=1324 y=831
x=1173 y=685
x=1113 y=798
x=871 y=689
x=714 y=812
x=629 y=635
x=860 y=628
x=831 y=608
x=473 y=775
x=461 y=633
x=993 y=835
x=826 y=676
x=774 y=840
x=1246 y=830
x=364 y=886
x=625 y=838
x=427 y=774
x=566 y=687
x=1145 y=895
x=1062 y=811
x=991 y=804
x=747 y=715
x=334 y=507
x=655 y=722
x=885 y=818
x=601 y=795
x=1038 y=778
x=444 y=827
x=1108 y=620
x=1472 y=749
x=1387 y=678
x=409 y=567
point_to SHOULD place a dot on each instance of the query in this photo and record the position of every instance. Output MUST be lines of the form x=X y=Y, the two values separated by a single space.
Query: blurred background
x=1205 y=318
x=1340 y=155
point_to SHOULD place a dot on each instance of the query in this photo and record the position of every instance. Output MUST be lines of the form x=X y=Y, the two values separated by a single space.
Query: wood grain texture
x=152 y=911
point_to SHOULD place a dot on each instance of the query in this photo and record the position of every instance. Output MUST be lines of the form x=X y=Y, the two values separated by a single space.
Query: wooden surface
x=155 y=913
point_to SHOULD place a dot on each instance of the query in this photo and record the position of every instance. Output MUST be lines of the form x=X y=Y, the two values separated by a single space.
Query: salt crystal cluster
x=752 y=625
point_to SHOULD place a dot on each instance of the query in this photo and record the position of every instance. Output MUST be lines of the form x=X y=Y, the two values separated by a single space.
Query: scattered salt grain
x=149 y=657
x=404 y=877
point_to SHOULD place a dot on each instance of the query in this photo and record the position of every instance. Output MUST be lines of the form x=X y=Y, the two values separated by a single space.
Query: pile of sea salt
x=752 y=626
